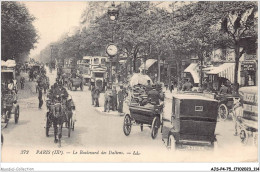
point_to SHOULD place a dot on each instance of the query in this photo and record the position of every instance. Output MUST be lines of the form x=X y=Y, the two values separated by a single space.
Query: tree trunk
x=237 y=57
x=159 y=69
x=200 y=54
x=178 y=70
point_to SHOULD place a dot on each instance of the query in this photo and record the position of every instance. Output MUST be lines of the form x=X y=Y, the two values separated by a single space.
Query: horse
x=60 y=113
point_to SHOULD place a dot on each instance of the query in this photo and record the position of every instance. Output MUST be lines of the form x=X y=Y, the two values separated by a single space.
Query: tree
x=239 y=22
x=18 y=32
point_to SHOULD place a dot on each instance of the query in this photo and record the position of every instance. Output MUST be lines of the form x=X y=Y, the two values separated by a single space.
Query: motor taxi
x=192 y=122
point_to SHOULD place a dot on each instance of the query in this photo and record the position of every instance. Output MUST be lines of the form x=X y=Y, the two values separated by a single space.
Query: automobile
x=226 y=102
x=192 y=122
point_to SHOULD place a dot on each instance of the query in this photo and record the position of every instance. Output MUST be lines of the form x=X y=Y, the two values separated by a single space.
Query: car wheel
x=222 y=112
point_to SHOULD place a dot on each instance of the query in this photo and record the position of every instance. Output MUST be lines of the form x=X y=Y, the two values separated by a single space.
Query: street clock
x=112 y=50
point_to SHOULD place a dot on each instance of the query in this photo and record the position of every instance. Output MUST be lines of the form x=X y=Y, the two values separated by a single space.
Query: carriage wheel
x=5 y=118
x=155 y=127
x=222 y=112
x=243 y=137
x=127 y=125
x=47 y=127
x=17 y=113
x=171 y=143
x=142 y=127
x=69 y=126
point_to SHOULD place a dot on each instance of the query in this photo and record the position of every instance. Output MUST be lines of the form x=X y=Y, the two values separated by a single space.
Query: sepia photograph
x=129 y=81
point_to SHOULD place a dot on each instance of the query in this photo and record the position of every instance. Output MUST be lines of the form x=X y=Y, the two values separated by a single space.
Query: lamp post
x=113 y=13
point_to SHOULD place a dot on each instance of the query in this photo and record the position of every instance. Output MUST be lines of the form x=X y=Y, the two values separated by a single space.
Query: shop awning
x=192 y=69
x=148 y=64
x=225 y=70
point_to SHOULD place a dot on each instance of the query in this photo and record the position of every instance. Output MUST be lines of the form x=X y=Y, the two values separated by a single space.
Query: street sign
x=248 y=66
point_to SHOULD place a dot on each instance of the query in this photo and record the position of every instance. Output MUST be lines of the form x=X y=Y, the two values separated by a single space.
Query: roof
x=148 y=64
x=192 y=69
x=225 y=70
x=192 y=97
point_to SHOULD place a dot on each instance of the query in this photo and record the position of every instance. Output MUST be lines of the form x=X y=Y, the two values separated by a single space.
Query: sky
x=53 y=19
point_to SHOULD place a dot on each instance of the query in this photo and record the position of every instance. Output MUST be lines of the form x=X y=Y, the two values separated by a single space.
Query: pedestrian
x=120 y=99
x=92 y=94
x=237 y=114
x=107 y=100
x=96 y=96
x=114 y=94
x=171 y=86
x=187 y=86
x=40 y=97
x=22 y=82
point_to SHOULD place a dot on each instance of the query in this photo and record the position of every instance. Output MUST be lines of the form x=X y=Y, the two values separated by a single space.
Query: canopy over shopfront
x=225 y=70
x=192 y=69
x=147 y=64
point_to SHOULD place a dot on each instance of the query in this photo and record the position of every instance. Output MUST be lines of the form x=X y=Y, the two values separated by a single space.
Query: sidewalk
x=168 y=94
x=115 y=113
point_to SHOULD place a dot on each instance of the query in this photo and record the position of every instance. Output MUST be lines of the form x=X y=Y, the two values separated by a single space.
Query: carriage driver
x=154 y=96
x=60 y=90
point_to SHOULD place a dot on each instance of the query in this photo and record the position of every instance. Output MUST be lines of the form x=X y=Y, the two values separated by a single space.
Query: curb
x=97 y=109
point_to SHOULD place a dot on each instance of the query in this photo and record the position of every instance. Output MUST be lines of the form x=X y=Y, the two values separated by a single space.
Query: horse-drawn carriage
x=9 y=106
x=192 y=122
x=34 y=71
x=145 y=116
x=60 y=115
x=66 y=78
x=76 y=82
x=143 y=112
x=42 y=82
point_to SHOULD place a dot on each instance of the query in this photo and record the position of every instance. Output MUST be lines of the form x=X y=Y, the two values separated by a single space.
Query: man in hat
x=223 y=89
x=149 y=86
x=120 y=99
x=187 y=86
x=40 y=97
x=96 y=96
x=114 y=94
x=154 y=96
x=92 y=94
x=107 y=102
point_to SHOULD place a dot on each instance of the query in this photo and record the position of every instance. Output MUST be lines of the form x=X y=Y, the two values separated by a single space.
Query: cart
x=9 y=107
x=60 y=114
x=145 y=116
x=226 y=102
x=192 y=123
x=76 y=83
x=249 y=121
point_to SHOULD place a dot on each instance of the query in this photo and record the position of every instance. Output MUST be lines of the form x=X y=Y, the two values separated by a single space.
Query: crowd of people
x=113 y=99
